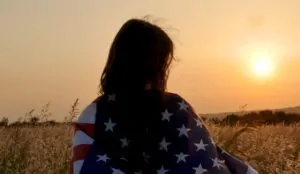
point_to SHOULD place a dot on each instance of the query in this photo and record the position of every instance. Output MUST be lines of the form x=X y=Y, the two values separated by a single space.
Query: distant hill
x=295 y=109
x=290 y=110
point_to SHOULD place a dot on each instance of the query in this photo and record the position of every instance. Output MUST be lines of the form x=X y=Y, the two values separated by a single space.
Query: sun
x=263 y=65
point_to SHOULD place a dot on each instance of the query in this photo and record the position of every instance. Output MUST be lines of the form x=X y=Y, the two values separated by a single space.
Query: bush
x=4 y=121
x=265 y=117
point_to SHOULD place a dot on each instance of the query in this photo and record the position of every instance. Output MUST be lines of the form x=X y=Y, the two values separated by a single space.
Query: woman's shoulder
x=88 y=114
x=176 y=102
x=175 y=98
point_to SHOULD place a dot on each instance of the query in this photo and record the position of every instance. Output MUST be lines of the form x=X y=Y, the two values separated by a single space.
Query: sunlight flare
x=263 y=65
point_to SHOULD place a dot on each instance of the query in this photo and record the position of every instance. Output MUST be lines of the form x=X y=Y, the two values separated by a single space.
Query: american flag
x=182 y=146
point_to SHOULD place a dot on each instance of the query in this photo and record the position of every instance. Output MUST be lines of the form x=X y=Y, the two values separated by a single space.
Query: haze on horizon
x=55 y=51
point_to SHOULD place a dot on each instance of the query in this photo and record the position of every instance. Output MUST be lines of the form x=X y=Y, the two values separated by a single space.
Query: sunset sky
x=55 y=50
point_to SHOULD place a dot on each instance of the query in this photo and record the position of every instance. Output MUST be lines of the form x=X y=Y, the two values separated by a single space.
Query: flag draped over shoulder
x=184 y=146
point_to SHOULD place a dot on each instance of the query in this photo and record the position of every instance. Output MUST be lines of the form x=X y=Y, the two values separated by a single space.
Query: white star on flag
x=146 y=157
x=164 y=145
x=112 y=97
x=162 y=170
x=217 y=163
x=183 y=106
x=199 y=169
x=183 y=131
x=109 y=125
x=181 y=157
x=123 y=158
x=198 y=122
x=124 y=142
x=117 y=171
x=201 y=145
x=166 y=115
x=103 y=158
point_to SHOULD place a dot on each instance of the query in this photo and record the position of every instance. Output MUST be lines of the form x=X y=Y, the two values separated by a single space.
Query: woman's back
x=136 y=126
x=172 y=140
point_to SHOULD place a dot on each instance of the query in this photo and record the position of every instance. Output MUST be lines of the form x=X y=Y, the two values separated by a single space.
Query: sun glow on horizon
x=263 y=65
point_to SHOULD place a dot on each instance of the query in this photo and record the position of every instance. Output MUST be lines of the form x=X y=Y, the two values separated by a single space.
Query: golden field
x=46 y=149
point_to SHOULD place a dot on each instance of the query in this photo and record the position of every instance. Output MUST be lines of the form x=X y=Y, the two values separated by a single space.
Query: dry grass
x=270 y=149
x=31 y=150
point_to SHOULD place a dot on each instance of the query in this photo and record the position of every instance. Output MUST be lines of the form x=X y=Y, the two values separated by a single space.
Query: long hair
x=138 y=65
x=140 y=55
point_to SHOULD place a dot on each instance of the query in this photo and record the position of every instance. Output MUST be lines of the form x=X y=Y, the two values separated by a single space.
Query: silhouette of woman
x=135 y=126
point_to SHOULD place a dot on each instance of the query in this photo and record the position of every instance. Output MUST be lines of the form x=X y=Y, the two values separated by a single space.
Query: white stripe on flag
x=77 y=166
x=88 y=115
x=81 y=138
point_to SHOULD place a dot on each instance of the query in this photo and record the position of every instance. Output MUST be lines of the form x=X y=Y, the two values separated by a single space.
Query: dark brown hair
x=140 y=54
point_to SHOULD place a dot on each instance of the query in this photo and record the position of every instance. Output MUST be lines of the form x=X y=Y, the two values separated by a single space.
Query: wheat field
x=46 y=149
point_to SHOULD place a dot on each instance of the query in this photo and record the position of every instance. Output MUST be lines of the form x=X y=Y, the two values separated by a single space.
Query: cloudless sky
x=55 y=50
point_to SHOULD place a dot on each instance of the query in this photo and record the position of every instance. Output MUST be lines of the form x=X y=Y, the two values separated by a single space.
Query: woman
x=135 y=126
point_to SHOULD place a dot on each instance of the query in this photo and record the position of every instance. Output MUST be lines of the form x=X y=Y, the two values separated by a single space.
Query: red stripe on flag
x=87 y=128
x=80 y=152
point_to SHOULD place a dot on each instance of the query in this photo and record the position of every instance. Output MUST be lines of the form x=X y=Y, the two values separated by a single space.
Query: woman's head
x=140 y=55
